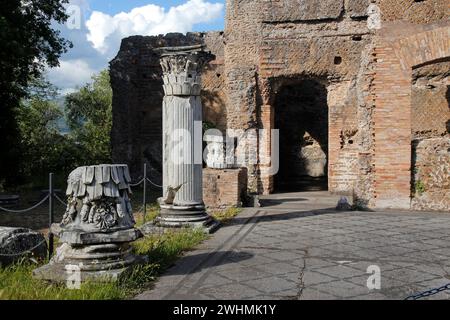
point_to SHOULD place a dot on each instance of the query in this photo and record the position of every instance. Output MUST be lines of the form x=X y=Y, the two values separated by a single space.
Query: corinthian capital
x=182 y=68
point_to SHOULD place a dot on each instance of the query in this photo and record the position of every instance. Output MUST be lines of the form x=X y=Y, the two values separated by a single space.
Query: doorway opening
x=301 y=115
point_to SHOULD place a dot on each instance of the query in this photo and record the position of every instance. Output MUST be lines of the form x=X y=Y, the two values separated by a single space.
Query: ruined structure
x=96 y=229
x=358 y=88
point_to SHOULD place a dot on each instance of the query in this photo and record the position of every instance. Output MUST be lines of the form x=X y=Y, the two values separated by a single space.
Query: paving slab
x=307 y=250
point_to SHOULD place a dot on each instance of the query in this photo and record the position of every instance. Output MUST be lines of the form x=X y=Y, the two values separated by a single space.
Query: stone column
x=182 y=201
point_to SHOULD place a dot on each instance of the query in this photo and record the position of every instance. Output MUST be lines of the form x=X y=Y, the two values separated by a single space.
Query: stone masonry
x=357 y=88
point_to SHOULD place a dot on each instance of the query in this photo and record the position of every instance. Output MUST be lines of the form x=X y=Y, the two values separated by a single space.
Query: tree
x=29 y=45
x=44 y=148
x=89 y=116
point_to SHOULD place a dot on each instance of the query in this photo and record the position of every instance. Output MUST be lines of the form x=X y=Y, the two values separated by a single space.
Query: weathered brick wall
x=430 y=100
x=272 y=43
x=373 y=111
x=431 y=137
x=414 y=11
x=330 y=42
x=431 y=176
x=224 y=188
x=400 y=48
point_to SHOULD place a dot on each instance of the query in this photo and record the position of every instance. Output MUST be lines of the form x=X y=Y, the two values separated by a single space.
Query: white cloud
x=98 y=39
x=71 y=74
x=105 y=31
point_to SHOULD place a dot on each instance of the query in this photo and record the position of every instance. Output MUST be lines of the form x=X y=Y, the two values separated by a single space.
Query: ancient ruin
x=97 y=227
x=359 y=90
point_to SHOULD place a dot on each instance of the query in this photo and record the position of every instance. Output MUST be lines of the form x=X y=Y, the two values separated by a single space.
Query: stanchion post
x=50 y=216
x=144 y=197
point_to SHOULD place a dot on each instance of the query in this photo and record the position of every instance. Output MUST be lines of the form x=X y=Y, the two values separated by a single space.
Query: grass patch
x=17 y=283
x=225 y=216
x=151 y=213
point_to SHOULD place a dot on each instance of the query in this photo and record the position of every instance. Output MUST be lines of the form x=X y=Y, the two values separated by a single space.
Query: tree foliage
x=29 y=44
x=89 y=116
x=44 y=148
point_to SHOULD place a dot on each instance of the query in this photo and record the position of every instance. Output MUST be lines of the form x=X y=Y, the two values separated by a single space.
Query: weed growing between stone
x=225 y=216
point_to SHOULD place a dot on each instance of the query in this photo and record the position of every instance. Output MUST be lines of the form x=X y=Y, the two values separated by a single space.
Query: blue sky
x=114 y=7
x=96 y=28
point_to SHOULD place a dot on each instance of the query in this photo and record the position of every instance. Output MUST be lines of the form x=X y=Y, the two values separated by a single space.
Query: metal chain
x=21 y=253
x=151 y=182
x=26 y=210
x=60 y=201
x=428 y=292
x=142 y=181
x=137 y=183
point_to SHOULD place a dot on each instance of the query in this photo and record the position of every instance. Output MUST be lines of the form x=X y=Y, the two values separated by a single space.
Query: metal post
x=50 y=216
x=144 y=197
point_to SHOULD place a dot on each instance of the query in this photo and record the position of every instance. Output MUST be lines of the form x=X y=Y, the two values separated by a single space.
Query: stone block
x=17 y=243
x=357 y=8
x=302 y=10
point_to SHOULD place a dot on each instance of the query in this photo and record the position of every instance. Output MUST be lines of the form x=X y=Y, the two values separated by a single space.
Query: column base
x=195 y=216
x=97 y=263
x=98 y=257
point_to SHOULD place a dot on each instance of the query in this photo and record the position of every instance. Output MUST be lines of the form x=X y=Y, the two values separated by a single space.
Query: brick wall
x=431 y=176
x=399 y=48
x=224 y=188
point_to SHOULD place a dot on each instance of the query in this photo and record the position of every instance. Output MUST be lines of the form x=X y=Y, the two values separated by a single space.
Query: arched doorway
x=301 y=115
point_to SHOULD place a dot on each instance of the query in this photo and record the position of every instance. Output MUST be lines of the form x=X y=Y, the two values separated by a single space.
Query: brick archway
x=400 y=48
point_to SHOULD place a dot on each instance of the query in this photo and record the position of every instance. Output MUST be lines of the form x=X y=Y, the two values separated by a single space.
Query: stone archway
x=400 y=48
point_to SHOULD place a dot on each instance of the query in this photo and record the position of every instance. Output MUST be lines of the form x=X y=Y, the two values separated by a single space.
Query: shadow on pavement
x=286 y=215
x=208 y=261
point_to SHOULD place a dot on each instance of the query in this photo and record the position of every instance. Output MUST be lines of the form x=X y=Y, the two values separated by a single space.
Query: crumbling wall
x=268 y=44
x=136 y=135
x=242 y=30
x=431 y=174
x=295 y=41
x=431 y=137
x=414 y=11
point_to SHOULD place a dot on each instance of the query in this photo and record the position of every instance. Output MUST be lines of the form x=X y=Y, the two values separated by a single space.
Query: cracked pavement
x=298 y=247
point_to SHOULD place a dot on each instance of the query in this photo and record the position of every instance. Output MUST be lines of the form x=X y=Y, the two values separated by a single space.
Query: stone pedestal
x=225 y=188
x=96 y=229
x=182 y=201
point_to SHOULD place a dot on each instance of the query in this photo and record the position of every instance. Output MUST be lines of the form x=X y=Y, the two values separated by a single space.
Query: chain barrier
x=142 y=181
x=51 y=195
x=23 y=252
x=60 y=200
x=428 y=292
x=137 y=183
x=151 y=182
x=28 y=209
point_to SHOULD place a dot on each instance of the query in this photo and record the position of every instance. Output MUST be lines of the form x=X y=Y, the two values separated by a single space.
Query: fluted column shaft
x=182 y=139
x=182 y=118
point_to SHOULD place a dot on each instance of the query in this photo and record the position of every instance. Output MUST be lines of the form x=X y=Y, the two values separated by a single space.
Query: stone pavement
x=298 y=247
